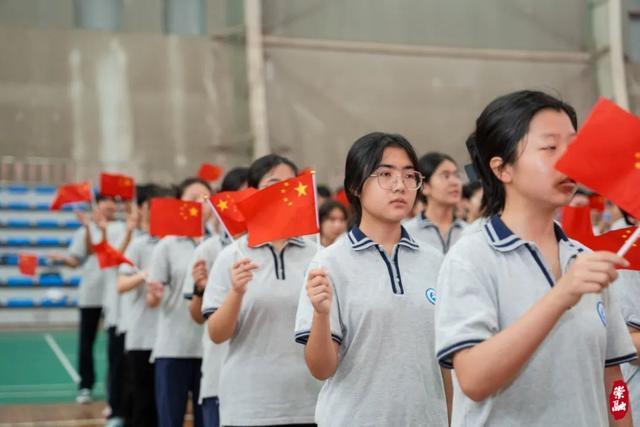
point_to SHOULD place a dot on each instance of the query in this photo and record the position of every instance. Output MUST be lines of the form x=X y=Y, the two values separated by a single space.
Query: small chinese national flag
x=282 y=210
x=576 y=223
x=71 y=193
x=605 y=155
x=108 y=256
x=117 y=185
x=210 y=172
x=175 y=217
x=225 y=205
x=597 y=202
x=27 y=264
x=341 y=196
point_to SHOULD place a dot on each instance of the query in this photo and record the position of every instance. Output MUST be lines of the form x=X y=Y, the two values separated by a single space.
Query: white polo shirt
x=488 y=281
x=382 y=315
x=423 y=230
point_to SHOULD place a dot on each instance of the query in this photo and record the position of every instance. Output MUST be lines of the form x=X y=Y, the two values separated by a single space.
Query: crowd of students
x=428 y=302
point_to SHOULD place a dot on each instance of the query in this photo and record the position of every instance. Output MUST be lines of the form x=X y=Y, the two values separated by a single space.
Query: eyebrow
x=385 y=165
x=555 y=135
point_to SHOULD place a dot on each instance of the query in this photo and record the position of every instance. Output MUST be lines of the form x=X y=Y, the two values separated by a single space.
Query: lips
x=401 y=201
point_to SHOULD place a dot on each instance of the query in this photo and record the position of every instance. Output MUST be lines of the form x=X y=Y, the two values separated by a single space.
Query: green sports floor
x=41 y=366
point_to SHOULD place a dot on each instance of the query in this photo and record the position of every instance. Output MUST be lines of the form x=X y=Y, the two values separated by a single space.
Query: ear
x=426 y=189
x=503 y=172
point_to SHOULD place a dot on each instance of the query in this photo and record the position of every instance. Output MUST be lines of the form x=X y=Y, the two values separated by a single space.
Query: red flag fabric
x=210 y=172
x=282 y=210
x=341 y=196
x=114 y=185
x=576 y=223
x=108 y=256
x=27 y=264
x=605 y=155
x=225 y=205
x=71 y=193
x=597 y=202
x=175 y=217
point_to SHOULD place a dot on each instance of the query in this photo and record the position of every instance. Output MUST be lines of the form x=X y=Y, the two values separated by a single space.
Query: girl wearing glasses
x=437 y=225
x=366 y=313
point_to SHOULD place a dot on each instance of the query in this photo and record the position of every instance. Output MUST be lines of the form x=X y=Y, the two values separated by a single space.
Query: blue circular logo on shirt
x=431 y=295
x=600 y=309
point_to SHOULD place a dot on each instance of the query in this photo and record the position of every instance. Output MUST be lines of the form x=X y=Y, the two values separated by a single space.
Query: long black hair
x=363 y=159
x=234 y=179
x=431 y=161
x=499 y=130
x=260 y=167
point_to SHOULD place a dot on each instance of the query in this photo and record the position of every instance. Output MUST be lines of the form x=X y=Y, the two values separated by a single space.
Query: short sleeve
x=78 y=247
x=219 y=280
x=304 y=315
x=620 y=348
x=159 y=269
x=466 y=310
x=133 y=254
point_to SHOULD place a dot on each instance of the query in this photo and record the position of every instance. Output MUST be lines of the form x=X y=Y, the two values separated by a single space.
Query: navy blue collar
x=504 y=240
x=296 y=241
x=360 y=241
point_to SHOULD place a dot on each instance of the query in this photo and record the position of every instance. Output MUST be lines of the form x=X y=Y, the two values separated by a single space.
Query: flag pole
x=629 y=242
x=315 y=203
x=215 y=212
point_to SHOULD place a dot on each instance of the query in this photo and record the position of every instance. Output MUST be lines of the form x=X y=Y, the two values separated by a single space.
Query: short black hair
x=430 y=162
x=499 y=129
x=363 y=158
x=328 y=206
x=323 y=191
x=260 y=167
x=234 y=179
x=470 y=188
x=146 y=192
x=180 y=189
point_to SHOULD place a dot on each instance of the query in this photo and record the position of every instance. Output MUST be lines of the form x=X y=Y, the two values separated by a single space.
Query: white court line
x=62 y=358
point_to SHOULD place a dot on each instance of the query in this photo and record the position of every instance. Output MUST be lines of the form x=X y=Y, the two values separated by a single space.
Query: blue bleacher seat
x=17 y=189
x=18 y=206
x=41 y=206
x=47 y=223
x=53 y=281
x=19 y=302
x=10 y=259
x=71 y=223
x=19 y=281
x=50 y=241
x=17 y=241
x=48 y=302
x=17 y=223
x=45 y=189
x=74 y=281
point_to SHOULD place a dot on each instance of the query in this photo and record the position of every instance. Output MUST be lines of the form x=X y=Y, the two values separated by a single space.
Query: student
x=94 y=281
x=250 y=301
x=367 y=310
x=333 y=221
x=177 y=350
x=524 y=314
x=141 y=319
x=193 y=289
x=437 y=225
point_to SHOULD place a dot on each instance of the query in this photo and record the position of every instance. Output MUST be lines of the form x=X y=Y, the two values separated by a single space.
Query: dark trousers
x=142 y=383
x=211 y=412
x=89 y=319
x=175 y=378
x=116 y=371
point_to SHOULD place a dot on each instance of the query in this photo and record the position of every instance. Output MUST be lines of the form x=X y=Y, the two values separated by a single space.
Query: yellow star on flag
x=223 y=205
x=301 y=189
x=193 y=212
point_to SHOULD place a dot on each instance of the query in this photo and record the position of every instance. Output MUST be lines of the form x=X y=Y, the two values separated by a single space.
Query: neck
x=324 y=241
x=529 y=220
x=278 y=244
x=438 y=213
x=384 y=233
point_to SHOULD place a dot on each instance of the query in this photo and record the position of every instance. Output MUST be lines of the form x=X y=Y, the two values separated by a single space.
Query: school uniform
x=140 y=335
x=424 y=231
x=264 y=379
x=488 y=281
x=212 y=353
x=627 y=291
x=382 y=317
x=91 y=294
x=177 y=350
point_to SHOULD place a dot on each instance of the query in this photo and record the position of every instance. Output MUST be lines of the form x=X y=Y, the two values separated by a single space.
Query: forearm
x=222 y=323
x=125 y=241
x=127 y=283
x=195 y=308
x=635 y=337
x=448 y=390
x=478 y=373
x=321 y=352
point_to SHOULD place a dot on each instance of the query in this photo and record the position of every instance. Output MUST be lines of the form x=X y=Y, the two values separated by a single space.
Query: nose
x=398 y=185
